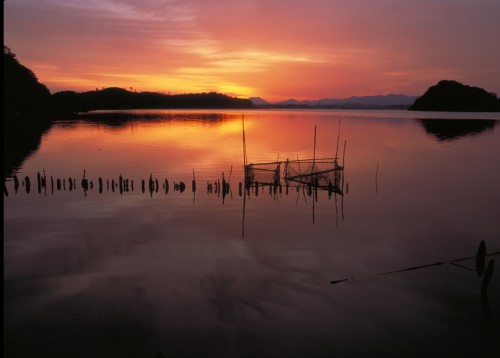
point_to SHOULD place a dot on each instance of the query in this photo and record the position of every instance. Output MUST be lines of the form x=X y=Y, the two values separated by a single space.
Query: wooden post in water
x=44 y=182
x=244 y=142
x=245 y=174
x=28 y=184
x=314 y=151
x=343 y=166
x=343 y=155
x=16 y=183
x=338 y=139
x=39 y=182
x=193 y=187
x=193 y=183
x=243 y=218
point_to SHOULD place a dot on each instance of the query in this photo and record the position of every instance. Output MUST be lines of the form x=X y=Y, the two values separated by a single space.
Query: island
x=453 y=96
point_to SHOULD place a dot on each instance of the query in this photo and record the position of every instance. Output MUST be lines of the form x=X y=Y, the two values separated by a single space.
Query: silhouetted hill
x=29 y=108
x=452 y=96
x=119 y=98
x=23 y=95
x=26 y=109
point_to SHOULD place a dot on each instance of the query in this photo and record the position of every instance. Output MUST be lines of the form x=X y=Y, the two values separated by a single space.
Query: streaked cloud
x=274 y=49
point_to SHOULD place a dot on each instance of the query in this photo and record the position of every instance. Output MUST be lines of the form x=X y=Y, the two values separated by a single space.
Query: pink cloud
x=274 y=49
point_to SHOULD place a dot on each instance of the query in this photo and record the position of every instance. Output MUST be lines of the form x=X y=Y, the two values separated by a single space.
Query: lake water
x=122 y=272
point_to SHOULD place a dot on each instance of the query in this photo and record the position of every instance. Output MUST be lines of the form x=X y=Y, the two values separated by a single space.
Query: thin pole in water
x=338 y=138
x=244 y=142
x=343 y=165
x=343 y=155
x=314 y=152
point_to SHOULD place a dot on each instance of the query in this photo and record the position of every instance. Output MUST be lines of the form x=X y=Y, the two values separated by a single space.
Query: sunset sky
x=274 y=49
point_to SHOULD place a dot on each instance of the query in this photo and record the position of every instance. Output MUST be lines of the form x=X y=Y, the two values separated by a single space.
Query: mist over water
x=117 y=272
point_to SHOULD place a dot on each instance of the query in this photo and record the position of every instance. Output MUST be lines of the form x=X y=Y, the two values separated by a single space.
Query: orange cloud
x=273 y=49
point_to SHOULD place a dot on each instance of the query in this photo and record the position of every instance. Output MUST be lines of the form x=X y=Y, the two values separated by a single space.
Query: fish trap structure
x=320 y=173
x=263 y=173
x=323 y=173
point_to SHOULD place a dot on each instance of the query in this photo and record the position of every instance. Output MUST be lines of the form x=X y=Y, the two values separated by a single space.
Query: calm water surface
x=181 y=274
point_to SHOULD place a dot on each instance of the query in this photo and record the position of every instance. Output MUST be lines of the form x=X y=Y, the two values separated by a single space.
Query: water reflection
x=220 y=187
x=22 y=138
x=480 y=258
x=159 y=268
x=451 y=129
x=123 y=118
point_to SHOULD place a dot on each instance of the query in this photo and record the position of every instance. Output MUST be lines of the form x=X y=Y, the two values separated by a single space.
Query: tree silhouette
x=452 y=96
x=23 y=95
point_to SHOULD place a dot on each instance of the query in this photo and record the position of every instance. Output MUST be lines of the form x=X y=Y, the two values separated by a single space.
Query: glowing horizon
x=275 y=50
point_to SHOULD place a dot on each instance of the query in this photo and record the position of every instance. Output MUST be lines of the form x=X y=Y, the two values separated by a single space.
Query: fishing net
x=322 y=173
x=263 y=173
x=319 y=172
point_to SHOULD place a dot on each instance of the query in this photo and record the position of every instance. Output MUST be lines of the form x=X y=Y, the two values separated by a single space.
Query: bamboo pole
x=338 y=139
x=343 y=155
x=244 y=142
x=343 y=165
x=314 y=149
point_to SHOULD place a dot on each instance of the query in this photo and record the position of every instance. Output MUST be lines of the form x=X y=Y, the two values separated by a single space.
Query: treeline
x=453 y=96
x=27 y=112
x=23 y=95
x=26 y=97
x=119 y=98
x=29 y=107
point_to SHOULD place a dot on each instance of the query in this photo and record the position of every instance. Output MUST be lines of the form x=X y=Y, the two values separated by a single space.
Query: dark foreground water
x=115 y=271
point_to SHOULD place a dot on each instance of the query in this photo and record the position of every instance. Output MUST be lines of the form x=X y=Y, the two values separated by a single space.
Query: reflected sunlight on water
x=186 y=273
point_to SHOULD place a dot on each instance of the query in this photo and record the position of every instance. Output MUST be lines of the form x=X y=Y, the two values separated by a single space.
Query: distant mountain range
x=379 y=101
